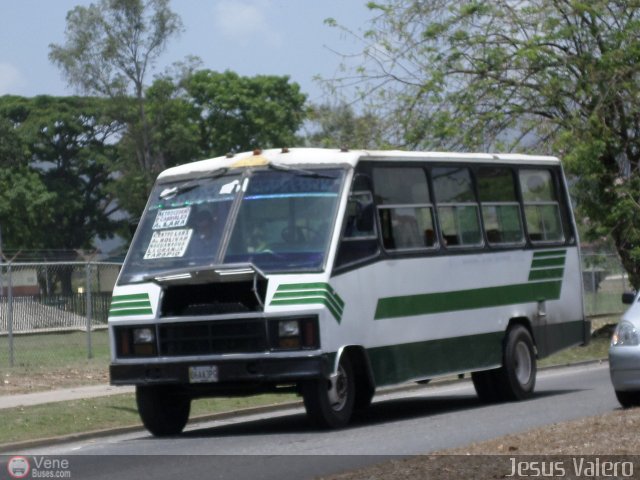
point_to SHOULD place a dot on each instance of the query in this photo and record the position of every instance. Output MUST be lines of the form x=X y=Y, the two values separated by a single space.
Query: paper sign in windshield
x=168 y=244
x=176 y=217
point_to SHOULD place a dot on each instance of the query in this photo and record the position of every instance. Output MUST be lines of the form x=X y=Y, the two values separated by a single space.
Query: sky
x=249 y=37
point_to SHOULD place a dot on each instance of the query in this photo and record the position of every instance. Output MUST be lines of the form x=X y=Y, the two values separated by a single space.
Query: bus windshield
x=283 y=222
x=285 y=219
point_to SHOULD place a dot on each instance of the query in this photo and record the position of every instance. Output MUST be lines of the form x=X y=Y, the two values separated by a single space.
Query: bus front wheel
x=163 y=410
x=329 y=402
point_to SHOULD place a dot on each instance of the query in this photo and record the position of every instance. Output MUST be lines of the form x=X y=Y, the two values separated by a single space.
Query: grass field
x=55 y=419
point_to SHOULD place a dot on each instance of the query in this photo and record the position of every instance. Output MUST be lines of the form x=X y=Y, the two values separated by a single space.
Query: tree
x=110 y=48
x=557 y=76
x=340 y=126
x=241 y=113
x=60 y=169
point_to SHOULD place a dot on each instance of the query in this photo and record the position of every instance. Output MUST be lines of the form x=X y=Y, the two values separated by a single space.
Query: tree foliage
x=237 y=113
x=341 y=126
x=110 y=48
x=55 y=191
x=556 y=76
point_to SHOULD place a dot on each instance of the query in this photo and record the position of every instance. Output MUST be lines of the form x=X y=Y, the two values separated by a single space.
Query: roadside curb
x=76 y=437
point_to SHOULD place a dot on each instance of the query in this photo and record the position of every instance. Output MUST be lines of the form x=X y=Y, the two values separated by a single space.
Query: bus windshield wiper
x=300 y=171
x=191 y=184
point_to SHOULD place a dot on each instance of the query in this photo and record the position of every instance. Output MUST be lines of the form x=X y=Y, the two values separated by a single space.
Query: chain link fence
x=604 y=281
x=54 y=315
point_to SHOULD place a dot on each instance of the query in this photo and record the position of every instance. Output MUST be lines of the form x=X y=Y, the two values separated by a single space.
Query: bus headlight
x=294 y=333
x=288 y=328
x=625 y=335
x=143 y=335
x=135 y=342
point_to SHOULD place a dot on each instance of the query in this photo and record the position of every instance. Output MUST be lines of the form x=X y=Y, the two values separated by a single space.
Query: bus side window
x=359 y=239
x=457 y=207
x=404 y=208
x=541 y=206
x=500 y=206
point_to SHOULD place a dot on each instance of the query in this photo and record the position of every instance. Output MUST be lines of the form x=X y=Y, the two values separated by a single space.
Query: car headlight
x=625 y=335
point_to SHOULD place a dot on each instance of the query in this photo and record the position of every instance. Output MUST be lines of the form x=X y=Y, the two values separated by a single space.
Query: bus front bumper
x=227 y=371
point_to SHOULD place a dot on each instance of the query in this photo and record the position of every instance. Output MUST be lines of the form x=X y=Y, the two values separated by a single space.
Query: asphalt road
x=283 y=445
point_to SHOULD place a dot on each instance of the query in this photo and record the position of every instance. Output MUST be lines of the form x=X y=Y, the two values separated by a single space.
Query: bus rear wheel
x=163 y=410
x=516 y=379
x=330 y=402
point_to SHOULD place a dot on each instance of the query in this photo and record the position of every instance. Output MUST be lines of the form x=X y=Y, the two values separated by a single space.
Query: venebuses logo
x=18 y=467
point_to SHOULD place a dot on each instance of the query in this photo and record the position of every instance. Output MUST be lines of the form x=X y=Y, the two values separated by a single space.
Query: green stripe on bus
x=307 y=294
x=131 y=304
x=430 y=303
x=399 y=363
x=392 y=364
x=548 y=262
x=311 y=301
x=546 y=274
x=120 y=305
x=133 y=296
x=311 y=286
x=549 y=253
x=133 y=311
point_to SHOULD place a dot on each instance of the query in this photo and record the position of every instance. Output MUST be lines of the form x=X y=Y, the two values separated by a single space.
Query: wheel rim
x=339 y=390
x=523 y=363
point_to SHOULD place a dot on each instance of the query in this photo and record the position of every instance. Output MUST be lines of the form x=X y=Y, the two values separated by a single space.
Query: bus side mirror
x=627 y=297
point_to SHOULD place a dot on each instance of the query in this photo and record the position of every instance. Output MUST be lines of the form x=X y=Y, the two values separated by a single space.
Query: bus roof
x=320 y=156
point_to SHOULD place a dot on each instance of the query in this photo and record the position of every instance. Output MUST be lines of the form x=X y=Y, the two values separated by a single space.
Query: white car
x=624 y=354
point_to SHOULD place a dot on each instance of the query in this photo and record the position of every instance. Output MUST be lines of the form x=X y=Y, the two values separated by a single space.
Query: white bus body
x=337 y=272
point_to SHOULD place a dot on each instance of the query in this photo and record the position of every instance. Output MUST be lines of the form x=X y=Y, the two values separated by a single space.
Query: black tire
x=516 y=379
x=628 y=399
x=364 y=394
x=485 y=384
x=163 y=410
x=320 y=409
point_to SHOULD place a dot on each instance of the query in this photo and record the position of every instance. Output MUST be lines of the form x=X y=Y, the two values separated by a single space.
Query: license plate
x=203 y=374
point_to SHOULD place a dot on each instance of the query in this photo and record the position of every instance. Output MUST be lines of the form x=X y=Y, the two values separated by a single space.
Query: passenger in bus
x=204 y=241
x=257 y=241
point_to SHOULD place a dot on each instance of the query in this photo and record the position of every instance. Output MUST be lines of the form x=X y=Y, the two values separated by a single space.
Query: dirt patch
x=558 y=447
x=16 y=381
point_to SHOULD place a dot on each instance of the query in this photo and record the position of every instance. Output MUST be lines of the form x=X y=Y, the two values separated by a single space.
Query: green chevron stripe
x=133 y=304
x=546 y=274
x=547 y=262
x=549 y=253
x=310 y=294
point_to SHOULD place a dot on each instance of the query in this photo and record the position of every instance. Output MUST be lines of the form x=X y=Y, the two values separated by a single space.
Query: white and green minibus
x=333 y=273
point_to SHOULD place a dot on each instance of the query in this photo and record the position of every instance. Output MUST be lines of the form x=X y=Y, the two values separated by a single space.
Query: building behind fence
x=44 y=306
x=52 y=298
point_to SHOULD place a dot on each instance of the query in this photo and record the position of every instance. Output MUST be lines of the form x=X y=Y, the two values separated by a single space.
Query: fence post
x=10 y=316
x=88 y=309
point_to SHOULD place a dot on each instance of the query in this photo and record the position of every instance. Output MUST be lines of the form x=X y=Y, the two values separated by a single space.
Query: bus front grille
x=213 y=337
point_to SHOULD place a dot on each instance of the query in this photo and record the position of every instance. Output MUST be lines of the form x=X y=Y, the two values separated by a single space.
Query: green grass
x=596 y=350
x=77 y=416
x=54 y=349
